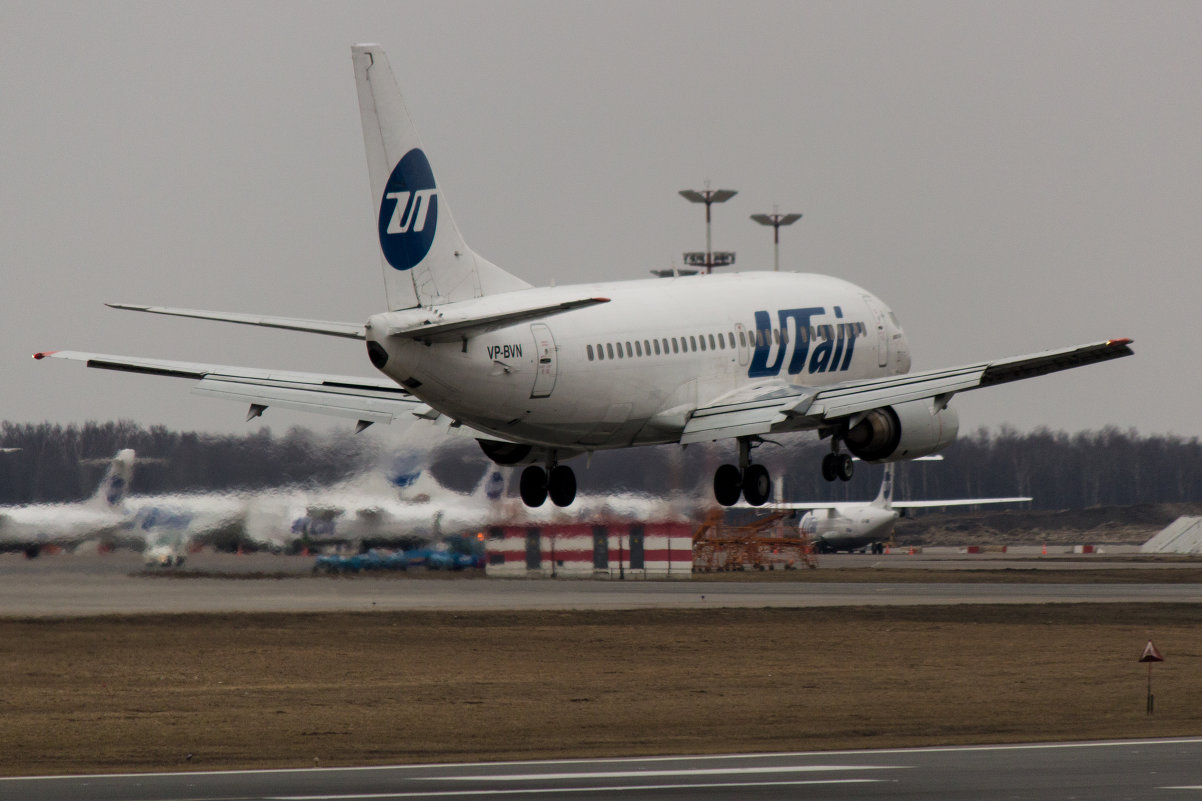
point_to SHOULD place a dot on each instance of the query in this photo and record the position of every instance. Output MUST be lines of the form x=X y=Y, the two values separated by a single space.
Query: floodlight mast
x=776 y=221
x=709 y=260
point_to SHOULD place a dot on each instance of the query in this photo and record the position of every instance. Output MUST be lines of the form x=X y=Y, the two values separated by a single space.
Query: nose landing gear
x=557 y=481
x=749 y=480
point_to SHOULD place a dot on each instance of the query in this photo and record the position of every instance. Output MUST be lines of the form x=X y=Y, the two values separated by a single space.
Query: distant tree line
x=1060 y=470
x=64 y=463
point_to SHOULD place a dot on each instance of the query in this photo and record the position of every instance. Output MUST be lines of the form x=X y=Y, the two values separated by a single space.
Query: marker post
x=1150 y=655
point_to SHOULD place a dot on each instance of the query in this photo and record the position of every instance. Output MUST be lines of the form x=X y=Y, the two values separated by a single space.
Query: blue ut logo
x=815 y=349
x=408 y=212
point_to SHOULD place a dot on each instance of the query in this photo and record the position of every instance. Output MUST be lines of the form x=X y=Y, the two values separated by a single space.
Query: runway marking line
x=607 y=789
x=628 y=774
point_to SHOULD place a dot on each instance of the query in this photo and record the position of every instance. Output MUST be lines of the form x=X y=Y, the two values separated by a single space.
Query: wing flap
x=746 y=412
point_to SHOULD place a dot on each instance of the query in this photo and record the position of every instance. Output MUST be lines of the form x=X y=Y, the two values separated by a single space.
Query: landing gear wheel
x=845 y=468
x=757 y=485
x=561 y=485
x=828 y=467
x=534 y=486
x=727 y=484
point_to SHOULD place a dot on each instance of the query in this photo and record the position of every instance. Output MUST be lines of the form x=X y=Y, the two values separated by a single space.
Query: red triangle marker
x=1151 y=654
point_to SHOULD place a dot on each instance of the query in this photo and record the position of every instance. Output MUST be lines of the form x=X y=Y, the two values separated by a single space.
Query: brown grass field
x=142 y=693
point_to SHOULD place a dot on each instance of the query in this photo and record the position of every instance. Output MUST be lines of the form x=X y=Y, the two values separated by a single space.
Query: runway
x=1109 y=771
x=65 y=585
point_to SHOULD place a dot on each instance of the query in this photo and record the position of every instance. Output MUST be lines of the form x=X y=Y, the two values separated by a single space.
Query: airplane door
x=545 y=370
x=600 y=547
x=636 y=547
x=534 y=548
x=743 y=346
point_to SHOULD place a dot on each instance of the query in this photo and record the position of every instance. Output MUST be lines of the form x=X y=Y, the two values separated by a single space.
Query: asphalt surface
x=1115 y=771
x=64 y=585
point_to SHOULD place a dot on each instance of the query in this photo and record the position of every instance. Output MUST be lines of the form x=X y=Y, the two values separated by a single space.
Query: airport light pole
x=709 y=259
x=776 y=221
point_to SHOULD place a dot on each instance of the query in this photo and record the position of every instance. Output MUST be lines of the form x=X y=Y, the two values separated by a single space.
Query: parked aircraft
x=31 y=528
x=854 y=526
x=539 y=375
x=369 y=510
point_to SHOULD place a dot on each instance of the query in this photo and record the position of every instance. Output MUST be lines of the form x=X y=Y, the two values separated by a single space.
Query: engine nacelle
x=904 y=431
x=511 y=453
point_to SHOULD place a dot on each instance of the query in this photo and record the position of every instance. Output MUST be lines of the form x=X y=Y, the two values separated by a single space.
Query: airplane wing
x=368 y=400
x=956 y=502
x=809 y=506
x=776 y=407
x=437 y=329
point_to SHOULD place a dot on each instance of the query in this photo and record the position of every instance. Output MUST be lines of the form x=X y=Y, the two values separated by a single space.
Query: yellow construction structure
x=769 y=543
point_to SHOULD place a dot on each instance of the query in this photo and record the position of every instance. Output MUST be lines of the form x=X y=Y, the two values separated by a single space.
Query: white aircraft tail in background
x=33 y=527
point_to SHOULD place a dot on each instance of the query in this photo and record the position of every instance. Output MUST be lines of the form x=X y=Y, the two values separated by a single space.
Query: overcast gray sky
x=1008 y=177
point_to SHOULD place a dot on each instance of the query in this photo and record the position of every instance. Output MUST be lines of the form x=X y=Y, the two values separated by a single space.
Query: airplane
x=371 y=509
x=31 y=528
x=539 y=375
x=834 y=527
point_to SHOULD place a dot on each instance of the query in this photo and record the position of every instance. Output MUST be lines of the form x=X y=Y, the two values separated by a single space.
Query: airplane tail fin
x=492 y=484
x=115 y=484
x=884 y=498
x=426 y=261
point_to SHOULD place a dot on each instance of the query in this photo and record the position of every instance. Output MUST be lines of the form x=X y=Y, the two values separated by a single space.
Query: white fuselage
x=848 y=527
x=632 y=370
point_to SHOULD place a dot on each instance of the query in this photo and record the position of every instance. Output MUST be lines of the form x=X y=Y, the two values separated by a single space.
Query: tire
x=757 y=485
x=727 y=484
x=828 y=467
x=845 y=468
x=534 y=486
x=561 y=485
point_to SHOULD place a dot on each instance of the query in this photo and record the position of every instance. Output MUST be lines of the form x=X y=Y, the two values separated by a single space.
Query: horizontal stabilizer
x=377 y=400
x=444 y=330
x=326 y=327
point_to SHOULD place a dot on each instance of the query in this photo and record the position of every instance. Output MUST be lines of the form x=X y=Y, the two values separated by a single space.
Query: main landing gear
x=750 y=480
x=837 y=465
x=556 y=481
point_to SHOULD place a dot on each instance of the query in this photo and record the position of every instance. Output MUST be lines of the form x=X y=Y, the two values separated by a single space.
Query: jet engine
x=903 y=431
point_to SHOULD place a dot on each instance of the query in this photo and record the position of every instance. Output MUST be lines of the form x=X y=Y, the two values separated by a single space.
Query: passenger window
x=712 y=345
x=742 y=339
x=693 y=343
x=647 y=347
x=629 y=352
x=589 y=350
x=702 y=338
x=665 y=346
x=656 y=341
x=638 y=348
x=731 y=334
x=776 y=335
x=609 y=346
x=674 y=348
x=784 y=336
